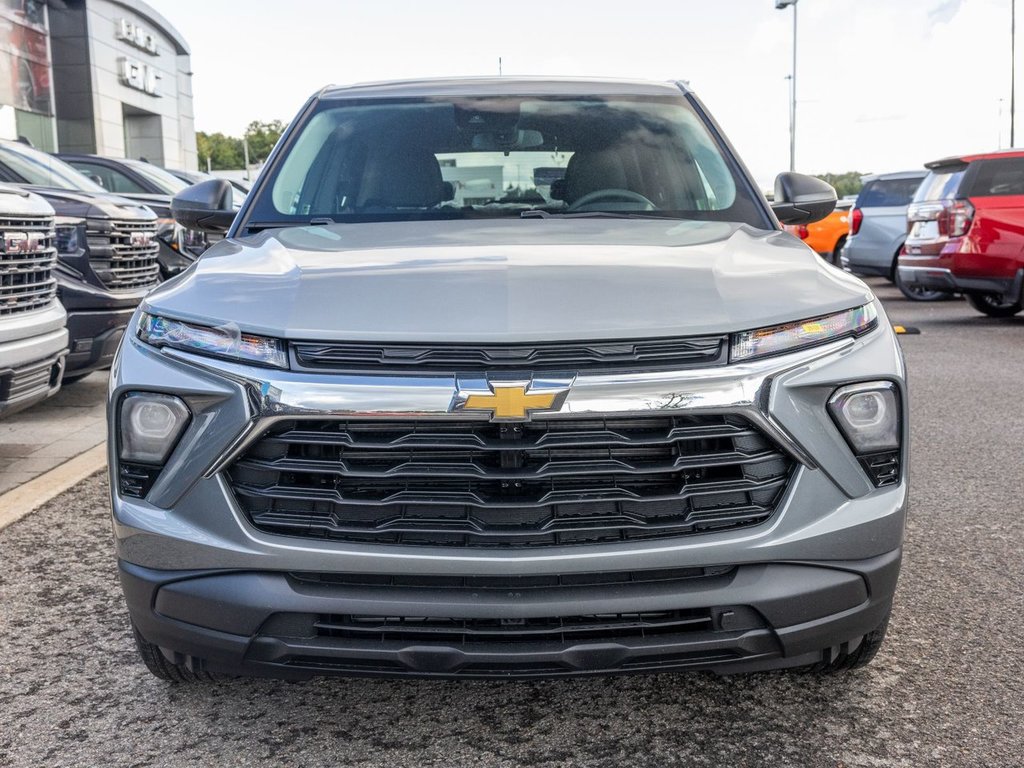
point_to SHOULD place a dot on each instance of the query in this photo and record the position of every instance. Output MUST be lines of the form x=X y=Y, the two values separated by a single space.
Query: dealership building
x=97 y=76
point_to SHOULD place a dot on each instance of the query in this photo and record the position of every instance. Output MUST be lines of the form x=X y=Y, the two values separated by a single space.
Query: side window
x=998 y=177
x=112 y=180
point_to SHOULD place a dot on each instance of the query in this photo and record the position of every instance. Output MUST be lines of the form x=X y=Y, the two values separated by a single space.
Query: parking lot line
x=20 y=501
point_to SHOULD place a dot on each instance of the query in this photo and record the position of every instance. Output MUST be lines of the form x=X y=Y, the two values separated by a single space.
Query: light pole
x=1013 y=65
x=782 y=5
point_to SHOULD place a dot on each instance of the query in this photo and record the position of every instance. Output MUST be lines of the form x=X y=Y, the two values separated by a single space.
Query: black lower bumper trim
x=941 y=279
x=93 y=337
x=755 y=617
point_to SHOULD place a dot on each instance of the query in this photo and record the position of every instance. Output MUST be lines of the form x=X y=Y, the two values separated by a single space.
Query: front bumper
x=869 y=260
x=211 y=589
x=753 y=617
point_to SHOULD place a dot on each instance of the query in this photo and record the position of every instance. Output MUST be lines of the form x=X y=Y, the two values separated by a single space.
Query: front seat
x=591 y=170
x=401 y=177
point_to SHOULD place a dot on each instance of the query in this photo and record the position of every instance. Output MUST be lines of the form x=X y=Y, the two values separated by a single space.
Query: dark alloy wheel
x=994 y=306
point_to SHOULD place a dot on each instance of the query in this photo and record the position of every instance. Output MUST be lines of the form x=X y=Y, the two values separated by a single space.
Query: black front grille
x=124 y=253
x=27 y=257
x=514 y=583
x=548 y=482
x=561 y=629
x=649 y=354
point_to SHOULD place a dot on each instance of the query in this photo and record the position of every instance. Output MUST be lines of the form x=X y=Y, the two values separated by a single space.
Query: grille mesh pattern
x=647 y=353
x=124 y=253
x=27 y=257
x=542 y=483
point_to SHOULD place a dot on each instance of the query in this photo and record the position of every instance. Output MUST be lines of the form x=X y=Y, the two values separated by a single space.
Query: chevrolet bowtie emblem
x=511 y=401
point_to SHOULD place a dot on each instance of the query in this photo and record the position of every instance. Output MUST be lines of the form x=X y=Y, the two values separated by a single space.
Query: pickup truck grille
x=548 y=482
x=649 y=354
x=124 y=253
x=27 y=257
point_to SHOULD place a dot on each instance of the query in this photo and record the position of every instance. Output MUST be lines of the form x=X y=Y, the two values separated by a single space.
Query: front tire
x=855 y=658
x=994 y=306
x=158 y=664
x=837 y=251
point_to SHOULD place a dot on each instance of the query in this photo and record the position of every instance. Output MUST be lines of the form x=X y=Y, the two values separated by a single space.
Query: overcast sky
x=882 y=84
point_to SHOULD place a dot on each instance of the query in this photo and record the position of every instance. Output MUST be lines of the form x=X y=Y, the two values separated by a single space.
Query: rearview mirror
x=205 y=206
x=801 y=199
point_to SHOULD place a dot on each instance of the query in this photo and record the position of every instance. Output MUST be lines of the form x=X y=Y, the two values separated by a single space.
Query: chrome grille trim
x=26 y=278
x=118 y=263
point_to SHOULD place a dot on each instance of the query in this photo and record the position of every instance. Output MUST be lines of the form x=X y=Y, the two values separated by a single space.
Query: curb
x=28 y=497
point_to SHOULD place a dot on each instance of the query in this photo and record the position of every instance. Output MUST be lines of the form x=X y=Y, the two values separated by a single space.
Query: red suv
x=966 y=231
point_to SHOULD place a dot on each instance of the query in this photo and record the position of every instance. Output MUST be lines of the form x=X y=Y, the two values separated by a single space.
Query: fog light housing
x=151 y=424
x=868 y=415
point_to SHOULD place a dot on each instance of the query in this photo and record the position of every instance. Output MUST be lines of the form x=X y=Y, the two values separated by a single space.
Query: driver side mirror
x=205 y=206
x=801 y=199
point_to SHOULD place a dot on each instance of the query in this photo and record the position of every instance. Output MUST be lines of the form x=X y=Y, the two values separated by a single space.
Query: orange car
x=828 y=235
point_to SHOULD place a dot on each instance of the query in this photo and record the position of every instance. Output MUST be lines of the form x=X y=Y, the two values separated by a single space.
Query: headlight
x=868 y=415
x=69 y=236
x=776 y=339
x=224 y=342
x=150 y=426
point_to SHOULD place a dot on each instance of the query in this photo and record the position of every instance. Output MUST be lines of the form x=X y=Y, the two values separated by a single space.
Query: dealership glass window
x=24 y=57
x=499 y=156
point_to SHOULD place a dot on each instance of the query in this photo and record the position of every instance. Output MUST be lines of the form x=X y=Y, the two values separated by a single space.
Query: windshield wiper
x=538 y=213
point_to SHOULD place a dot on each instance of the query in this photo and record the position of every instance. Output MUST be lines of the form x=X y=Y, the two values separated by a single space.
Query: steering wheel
x=613 y=196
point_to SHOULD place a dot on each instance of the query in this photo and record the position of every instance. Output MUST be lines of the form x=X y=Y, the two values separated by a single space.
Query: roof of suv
x=915 y=174
x=964 y=159
x=519 y=86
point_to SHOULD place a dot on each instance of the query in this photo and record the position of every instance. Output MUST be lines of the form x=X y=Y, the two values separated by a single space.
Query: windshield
x=504 y=156
x=940 y=184
x=163 y=180
x=887 y=193
x=41 y=169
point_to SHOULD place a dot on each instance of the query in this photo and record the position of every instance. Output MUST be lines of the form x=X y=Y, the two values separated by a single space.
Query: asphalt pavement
x=946 y=689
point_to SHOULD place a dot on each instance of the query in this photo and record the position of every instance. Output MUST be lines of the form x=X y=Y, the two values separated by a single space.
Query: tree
x=262 y=137
x=845 y=183
x=224 y=152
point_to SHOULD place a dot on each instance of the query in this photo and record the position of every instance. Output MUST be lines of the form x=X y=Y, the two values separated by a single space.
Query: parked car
x=33 y=336
x=828 y=236
x=967 y=231
x=878 y=227
x=151 y=186
x=613 y=421
x=240 y=190
x=107 y=253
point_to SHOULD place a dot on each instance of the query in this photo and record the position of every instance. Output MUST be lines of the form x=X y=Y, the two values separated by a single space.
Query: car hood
x=67 y=202
x=507 y=281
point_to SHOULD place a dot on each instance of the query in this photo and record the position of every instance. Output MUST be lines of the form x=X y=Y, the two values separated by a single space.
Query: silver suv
x=878 y=228
x=33 y=339
x=496 y=378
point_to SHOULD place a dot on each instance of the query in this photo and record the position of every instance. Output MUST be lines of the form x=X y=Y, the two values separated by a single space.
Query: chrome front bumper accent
x=739 y=388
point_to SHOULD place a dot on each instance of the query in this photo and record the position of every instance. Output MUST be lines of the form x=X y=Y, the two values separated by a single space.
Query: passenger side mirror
x=801 y=199
x=205 y=206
